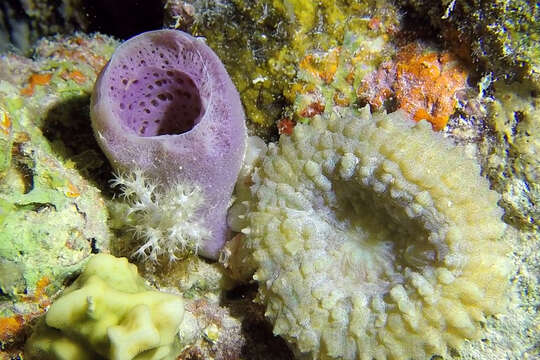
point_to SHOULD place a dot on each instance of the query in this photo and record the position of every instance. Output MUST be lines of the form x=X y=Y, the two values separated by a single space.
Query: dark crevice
x=24 y=164
x=22 y=25
x=260 y=341
x=93 y=246
x=35 y=206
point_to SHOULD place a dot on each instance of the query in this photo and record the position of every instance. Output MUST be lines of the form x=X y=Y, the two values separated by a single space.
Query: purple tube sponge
x=165 y=105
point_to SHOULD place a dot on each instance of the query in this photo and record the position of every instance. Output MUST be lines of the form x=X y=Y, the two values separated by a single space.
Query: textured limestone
x=512 y=159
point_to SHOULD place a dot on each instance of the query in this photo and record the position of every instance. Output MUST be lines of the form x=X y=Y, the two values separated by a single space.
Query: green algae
x=51 y=217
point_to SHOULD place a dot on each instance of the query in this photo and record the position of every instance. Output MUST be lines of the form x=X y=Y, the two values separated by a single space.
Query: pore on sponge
x=108 y=312
x=164 y=104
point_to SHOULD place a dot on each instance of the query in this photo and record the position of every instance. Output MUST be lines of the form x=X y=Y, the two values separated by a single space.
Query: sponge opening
x=157 y=102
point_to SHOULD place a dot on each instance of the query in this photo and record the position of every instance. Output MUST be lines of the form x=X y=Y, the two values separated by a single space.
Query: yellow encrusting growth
x=108 y=313
x=373 y=238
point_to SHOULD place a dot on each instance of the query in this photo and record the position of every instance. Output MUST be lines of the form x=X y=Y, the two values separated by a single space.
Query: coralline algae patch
x=367 y=246
x=422 y=82
x=65 y=67
x=51 y=218
x=501 y=36
x=12 y=328
x=330 y=78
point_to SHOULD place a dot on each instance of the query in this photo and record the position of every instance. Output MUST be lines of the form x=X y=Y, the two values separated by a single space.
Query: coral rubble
x=373 y=238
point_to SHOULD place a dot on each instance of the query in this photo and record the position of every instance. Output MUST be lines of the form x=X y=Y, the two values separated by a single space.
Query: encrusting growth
x=373 y=238
x=423 y=83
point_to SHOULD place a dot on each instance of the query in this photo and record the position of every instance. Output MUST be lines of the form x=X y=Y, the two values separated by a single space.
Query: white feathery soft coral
x=164 y=218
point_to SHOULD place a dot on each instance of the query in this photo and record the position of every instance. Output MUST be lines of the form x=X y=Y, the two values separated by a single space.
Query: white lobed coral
x=165 y=220
x=373 y=238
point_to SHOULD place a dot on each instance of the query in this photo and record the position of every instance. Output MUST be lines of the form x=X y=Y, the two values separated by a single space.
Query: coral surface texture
x=374 y=238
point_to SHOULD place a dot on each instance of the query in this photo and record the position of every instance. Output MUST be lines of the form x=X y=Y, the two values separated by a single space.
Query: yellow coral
x=108 y=312
x=373 y=238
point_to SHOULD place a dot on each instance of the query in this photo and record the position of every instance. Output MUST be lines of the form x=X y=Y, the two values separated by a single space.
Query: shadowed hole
x=176 y=105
